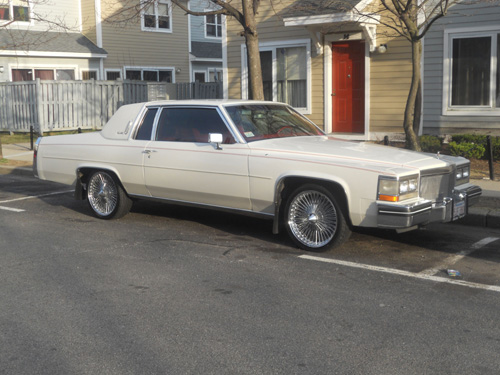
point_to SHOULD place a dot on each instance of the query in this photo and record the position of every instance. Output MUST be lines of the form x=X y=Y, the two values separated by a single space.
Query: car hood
x=337 y=151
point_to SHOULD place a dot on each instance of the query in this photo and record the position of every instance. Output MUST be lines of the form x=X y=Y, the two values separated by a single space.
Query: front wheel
x=106 y=197
x=314 y=219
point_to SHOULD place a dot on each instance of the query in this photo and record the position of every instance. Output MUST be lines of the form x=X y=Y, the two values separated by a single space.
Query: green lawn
x=16 y=138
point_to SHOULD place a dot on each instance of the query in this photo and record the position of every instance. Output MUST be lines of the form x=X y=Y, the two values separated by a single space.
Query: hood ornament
x=438 y=155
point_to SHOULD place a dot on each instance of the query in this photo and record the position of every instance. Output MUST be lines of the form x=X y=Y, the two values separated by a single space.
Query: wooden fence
x=69 y=105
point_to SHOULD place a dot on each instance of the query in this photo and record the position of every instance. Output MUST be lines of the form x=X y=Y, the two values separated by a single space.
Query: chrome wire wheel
x=102 y=194
x=312 y=219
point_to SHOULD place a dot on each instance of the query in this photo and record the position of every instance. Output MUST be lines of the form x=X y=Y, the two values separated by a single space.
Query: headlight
x=462 y=175
x=395 y=190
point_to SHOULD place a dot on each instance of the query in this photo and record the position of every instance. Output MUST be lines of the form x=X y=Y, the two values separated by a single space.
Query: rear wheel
x=314 y=219
x=106 y=197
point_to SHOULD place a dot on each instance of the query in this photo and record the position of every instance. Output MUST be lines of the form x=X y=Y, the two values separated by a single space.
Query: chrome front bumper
x=400 y=216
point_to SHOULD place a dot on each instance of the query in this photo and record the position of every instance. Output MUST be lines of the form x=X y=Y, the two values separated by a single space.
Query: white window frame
x=54 y=68
x=216 y=71
x=113 y=71
x=460 y=33
x=204 y=72
x=216 y=25
x=148 y=68
x=89 y=70
x=156 y=29
x=11 y=15
x=273 y=46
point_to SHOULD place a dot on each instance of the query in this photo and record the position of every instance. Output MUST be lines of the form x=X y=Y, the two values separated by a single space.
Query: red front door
x=348 y=87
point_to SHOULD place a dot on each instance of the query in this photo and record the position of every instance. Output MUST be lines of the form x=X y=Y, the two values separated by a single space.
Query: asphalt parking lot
x=174 y=290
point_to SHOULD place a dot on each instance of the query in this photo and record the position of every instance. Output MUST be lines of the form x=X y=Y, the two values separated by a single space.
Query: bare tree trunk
x=409 y=116
x=418 y=109
x=253 y=53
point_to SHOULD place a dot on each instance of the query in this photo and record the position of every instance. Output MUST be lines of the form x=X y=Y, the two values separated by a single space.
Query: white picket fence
x=69 y=105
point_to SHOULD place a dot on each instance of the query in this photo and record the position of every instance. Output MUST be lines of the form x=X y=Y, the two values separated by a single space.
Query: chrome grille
x=436 y=187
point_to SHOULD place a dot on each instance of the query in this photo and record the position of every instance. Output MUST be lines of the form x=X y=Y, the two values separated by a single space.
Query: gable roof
x=304 y=8
x=48 y=43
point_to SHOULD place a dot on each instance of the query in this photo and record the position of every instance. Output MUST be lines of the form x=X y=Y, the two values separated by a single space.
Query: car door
x=181 y=165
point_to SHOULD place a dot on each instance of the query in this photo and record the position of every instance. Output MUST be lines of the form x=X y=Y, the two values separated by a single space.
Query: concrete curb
x=482 y=217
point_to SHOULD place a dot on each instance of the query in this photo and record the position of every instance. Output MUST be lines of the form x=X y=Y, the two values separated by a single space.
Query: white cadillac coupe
x=258 y=158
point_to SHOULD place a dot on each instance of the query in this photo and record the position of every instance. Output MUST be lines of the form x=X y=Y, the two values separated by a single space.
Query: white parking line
x=451 y=260
x=36 y=196
x=393 y=271
x=11 y=209
x=484 y=242
x=30 y=197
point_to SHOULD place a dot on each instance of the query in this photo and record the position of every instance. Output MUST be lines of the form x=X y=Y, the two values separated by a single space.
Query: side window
x=146 y=127
x=191 y=125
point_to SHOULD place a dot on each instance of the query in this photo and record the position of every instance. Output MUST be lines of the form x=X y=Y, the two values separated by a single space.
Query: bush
x=467 y=150
x=431 y=143
x=480 y=140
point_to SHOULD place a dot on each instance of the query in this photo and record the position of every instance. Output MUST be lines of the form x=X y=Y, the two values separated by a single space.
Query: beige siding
x=89 y=20
x=271 y=29
x=128 y=45
x=390 y=78
x=389 y=73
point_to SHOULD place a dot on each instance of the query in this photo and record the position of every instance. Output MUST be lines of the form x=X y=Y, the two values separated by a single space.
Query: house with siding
x=461 y=66
x=334 y=62
x=94 y=39
x=40 y=40
x=205 y=54
x=149 y=43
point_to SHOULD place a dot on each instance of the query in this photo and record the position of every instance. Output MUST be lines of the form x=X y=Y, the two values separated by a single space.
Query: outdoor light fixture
x=178 y=70
x=382 y=48
x=1 y=69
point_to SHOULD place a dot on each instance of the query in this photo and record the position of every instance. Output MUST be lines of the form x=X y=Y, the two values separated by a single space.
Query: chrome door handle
x=148 y=151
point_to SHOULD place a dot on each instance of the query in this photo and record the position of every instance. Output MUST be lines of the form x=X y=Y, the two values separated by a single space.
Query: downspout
x=98 y=34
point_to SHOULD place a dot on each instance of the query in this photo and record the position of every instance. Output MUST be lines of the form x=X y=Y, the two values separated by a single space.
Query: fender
x=299 y=179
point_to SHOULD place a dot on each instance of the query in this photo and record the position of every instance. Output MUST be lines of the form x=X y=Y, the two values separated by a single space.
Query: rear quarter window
x=146 y=127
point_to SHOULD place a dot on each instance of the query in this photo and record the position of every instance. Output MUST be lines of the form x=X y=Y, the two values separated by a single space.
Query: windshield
x=264 y=121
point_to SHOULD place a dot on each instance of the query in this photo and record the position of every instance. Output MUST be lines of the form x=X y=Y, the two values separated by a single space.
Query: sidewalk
x=485 y=214
x=20 y=159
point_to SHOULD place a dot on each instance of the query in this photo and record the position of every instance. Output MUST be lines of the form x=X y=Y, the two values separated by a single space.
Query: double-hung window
x=286 y=73
x=14 y=11
x=213 y=23
x=472 y=69
x=156 y=16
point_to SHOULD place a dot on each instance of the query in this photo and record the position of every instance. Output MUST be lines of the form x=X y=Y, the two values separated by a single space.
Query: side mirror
x=215 y=138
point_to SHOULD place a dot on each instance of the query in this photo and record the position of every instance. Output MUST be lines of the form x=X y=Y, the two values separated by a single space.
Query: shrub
x=467 y=150
x=431 y=143
x=480 y=140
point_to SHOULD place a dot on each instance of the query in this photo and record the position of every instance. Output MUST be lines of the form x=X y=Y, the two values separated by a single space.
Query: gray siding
x=460 y=17
x=198 y=22
x=128 y=45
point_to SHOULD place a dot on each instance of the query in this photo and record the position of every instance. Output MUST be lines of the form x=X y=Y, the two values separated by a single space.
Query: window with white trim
x=473 y=71
x=89 y=74
x=213 y=25
x=286 y=73
x=149 y=74
x=113 y=75
x=30 y=74
x=155 y=16
x=15 y=11
x=215 y=75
